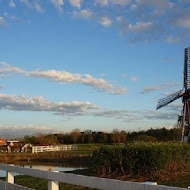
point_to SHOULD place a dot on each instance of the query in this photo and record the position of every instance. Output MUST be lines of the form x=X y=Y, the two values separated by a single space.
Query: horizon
x=98 y=65
x=20 y=134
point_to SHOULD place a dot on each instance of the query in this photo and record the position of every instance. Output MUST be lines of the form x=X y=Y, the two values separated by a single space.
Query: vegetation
x=114 y=137
x=141 y=158
x=118 y=154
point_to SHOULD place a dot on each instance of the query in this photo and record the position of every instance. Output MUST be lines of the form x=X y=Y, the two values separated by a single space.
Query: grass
x=88 y=147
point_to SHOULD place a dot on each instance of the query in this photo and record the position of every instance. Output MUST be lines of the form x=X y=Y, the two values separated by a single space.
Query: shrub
x=140 y=157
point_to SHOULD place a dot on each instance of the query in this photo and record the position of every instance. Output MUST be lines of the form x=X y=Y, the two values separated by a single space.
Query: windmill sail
x=167 y=100
x=187 y=69
x=185 y=93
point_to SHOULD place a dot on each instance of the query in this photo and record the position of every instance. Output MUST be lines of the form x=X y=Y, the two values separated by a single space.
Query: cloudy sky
x=98 y=64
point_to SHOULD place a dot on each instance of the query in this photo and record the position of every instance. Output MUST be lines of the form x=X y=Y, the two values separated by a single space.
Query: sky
x=90 y=64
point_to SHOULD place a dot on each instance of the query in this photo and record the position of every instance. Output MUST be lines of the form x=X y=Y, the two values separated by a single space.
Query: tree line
x=115 y=137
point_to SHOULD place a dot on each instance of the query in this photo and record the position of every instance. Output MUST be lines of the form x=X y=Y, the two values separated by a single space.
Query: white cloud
x=87 y=14
x=105 y=21
x=141 y=20
x=172 y=39
x=22 y=103
x=121 y=2
x=140 y=31
x=123 y=24
x=124 y=75
x=12 y=4
x=102 y=2
x=33 y=5
x=156 y=115
x=149 y=89
x=27 y=3
x=63 y=76
x=174 y=107
x=38 y=7
x=76 y=3
x=58 y=4
x=123 y=115
x=159 y=5
x=2 y=21
x=6 y=68
x=109 y=2
x=133 y=78
x=140 y=26
x=21 y=131
x=130 y=116
x=184 y=1
x=184 y=21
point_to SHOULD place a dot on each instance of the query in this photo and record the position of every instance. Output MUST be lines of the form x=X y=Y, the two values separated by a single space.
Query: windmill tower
x=184 y=120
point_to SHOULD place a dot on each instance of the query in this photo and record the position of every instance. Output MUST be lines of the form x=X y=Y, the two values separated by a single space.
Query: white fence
x=36 y=149
x=86 y=181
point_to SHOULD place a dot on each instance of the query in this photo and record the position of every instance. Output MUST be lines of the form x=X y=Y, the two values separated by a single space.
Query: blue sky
x=98 y=64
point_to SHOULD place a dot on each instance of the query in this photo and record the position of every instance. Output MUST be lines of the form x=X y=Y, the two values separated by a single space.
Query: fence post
x=53 y=185
x=10 y=176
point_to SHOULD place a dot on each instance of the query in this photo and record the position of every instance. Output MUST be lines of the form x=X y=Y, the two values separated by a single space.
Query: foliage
x=114 y=137
x=88 y=147
x=48 y=140
x=145 y=138
x=139 y=158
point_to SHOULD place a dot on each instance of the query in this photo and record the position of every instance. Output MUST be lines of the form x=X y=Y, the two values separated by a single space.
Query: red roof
x=3 y=142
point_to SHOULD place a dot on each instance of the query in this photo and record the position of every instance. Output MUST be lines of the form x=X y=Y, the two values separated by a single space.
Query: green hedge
x=140 y=157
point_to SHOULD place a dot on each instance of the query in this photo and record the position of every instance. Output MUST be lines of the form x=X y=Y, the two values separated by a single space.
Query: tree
x=88 y=137
x=100 y=137
x=145 y=138
x=119 y=137
x=48 y=140
x=75 y=135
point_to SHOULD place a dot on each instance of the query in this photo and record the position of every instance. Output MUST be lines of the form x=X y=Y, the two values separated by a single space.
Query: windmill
x=184 y=120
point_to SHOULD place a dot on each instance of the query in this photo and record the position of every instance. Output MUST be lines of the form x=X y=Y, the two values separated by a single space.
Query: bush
x=138 y=158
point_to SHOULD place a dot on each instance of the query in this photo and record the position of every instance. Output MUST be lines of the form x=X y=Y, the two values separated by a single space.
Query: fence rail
x=86 y=181
x=36 y=149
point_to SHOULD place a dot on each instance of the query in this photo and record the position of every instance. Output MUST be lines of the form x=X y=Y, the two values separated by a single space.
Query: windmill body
x=184 y=120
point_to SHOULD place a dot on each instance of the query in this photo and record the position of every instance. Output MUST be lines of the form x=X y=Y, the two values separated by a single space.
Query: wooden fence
x=36 y=149
x=86 y=181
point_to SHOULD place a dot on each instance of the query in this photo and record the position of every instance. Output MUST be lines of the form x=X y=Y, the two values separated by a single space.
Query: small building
x=12 y=142
x=3 y=142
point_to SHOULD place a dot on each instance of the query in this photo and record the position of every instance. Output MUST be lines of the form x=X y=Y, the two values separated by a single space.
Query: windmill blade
x=167 y=100
x=187 y=69
x=183 y=121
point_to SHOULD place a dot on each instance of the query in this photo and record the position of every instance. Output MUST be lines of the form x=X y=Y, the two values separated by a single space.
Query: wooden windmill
x=184 y=94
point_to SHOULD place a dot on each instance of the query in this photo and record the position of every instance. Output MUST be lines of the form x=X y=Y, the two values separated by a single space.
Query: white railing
x=36 y=149
x=86 y=181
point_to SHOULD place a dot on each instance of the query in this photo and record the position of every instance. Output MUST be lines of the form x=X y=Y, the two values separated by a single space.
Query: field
x=164 y=163
x=82 y=154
